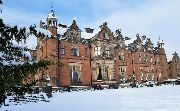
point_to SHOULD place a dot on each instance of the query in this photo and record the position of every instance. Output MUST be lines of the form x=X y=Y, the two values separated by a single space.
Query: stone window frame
x=107 y=51
x=147 y=73
x=122 y=71
x=76 y=67
x=152 y=72
x=97 y=50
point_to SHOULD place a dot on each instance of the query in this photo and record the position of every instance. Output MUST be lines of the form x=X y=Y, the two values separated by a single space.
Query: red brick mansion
x=105 y=58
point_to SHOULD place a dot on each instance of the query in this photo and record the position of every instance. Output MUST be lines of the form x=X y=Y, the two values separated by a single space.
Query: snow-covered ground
x=160 y=98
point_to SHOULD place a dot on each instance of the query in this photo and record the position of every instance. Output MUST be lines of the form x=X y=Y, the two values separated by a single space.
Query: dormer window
x=138 y=46
x=106 y=36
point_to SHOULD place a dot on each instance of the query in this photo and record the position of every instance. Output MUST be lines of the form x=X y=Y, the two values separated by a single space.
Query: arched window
x=50 y=22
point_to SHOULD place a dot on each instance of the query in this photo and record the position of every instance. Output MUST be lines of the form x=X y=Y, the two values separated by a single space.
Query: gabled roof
x=74 y=26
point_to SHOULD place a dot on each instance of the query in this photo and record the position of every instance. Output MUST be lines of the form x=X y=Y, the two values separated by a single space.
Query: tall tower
x=161 y=62
x=52 y=22
x=161 y=46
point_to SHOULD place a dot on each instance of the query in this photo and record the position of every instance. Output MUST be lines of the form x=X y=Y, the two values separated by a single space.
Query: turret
x=161 y=47
x=52 y=23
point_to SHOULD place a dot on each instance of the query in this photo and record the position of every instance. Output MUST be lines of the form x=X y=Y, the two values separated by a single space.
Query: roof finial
x=159 y=37
x=52 y=5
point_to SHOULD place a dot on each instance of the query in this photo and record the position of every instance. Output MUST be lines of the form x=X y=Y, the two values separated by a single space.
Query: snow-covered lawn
x=161 y=98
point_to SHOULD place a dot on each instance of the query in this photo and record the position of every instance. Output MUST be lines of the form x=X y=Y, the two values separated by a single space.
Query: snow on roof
x=32 y=35
x=86 y=35
x=2 y=55
x=12 y=62
x=33 y=47
x=44 y=31
x=52 y=15
x=130 y=41
x=19 y=46
x=61 y=30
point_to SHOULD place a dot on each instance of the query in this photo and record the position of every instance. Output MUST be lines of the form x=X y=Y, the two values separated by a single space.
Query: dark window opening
x=100 y=74
x=62 y=49
x=75 y=51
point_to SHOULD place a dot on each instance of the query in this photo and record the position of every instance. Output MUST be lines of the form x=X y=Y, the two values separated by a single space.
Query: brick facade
x=105 y=58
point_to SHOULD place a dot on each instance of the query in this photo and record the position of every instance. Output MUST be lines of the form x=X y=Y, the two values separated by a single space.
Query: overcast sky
x=146 y=17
